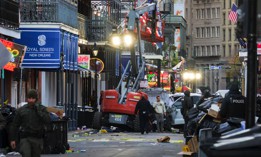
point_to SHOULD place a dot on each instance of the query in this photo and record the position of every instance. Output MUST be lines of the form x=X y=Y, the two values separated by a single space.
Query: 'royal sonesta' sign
x=16 y=50
x=43 y=48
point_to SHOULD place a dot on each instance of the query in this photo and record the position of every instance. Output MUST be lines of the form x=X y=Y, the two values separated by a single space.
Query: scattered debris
x=164 y=139
x=103 y=131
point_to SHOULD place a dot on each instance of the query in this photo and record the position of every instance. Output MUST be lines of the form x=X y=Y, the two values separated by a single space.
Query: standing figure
x=160 y=110
x=143 y=107
x=234 y=103
x=30 y=120
x=186 y=105
x=93 y=100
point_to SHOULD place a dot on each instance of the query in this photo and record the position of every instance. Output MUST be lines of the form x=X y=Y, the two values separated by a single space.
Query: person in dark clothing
x=93 y=100
x=2 y=132
x=144 y=109
x=204 y=97
x=2 y=121
x=234 y=104
x=8 y=112
x=30 y=119
x=186 y=105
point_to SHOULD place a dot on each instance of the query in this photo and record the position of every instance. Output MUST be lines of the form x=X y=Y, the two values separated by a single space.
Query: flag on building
x=233 y=13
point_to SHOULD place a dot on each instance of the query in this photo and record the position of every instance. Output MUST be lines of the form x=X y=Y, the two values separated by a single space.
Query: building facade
x=212 y=45
x=9 y=31
x=49 y=29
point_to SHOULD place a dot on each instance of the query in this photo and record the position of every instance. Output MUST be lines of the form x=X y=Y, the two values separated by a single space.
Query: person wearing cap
x=30 y=120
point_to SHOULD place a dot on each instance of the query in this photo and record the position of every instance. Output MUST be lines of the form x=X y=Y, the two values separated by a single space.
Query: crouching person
x=30 y=119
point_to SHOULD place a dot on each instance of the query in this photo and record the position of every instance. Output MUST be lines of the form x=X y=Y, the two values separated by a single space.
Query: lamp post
x=95 y=53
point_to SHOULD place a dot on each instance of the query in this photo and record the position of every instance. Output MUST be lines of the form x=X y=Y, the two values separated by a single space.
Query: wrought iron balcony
x=9 y=14
x=82 y=26
x=106 y=16
x=55 y=11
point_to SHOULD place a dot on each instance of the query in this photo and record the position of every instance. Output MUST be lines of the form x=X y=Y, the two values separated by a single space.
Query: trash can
x=56 y=138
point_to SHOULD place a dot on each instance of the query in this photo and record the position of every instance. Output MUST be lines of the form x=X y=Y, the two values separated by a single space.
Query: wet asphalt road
x=120 y=144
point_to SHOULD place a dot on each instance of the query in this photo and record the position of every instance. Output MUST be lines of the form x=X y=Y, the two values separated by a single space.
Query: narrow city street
x=122 y=144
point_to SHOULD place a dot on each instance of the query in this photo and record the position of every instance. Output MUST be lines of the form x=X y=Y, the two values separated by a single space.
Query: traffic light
x=241 y=29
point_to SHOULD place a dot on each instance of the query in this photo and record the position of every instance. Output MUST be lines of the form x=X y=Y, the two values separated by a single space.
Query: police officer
x=145 y=109
x=30 y=119
x=233 y=104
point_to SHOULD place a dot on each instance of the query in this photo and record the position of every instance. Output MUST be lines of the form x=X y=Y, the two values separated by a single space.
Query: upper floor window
x=224 y=35
x=224 y=18
x=214 y=13
x=229 y=35
x=213 y=31
x=229 y=50
x=218 y=12
x=208 y=51
x=203 y=51
x=218 y=49
x=198 y=14
x=202 y=32
x=213 y=50
x=199 y=51
x=202 y=13
x=208 y=32
x=196 y=50
x=197 y=32
x=208 y=13
x=218 y=31
x=236 y=47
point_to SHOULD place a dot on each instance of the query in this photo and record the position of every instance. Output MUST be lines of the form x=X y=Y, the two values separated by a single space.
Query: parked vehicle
x=221 y=93
x=175 y=104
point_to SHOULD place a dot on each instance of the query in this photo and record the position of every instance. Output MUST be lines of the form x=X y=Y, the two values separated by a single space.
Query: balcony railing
x=56 y=11
x=100 y=26
x=99 y=30
x=9 y=14
x=82 y=26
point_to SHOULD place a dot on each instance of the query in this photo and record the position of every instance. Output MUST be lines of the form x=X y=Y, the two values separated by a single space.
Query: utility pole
x=251 y=6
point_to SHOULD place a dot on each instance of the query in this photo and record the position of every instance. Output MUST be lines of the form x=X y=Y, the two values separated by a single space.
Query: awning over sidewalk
x=178 y=66
x=49 y=48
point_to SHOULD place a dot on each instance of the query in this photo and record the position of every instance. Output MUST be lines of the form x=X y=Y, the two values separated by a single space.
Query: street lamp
x=191 y=76
x=162 y=79
x=125 y=40
x=95 y=53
